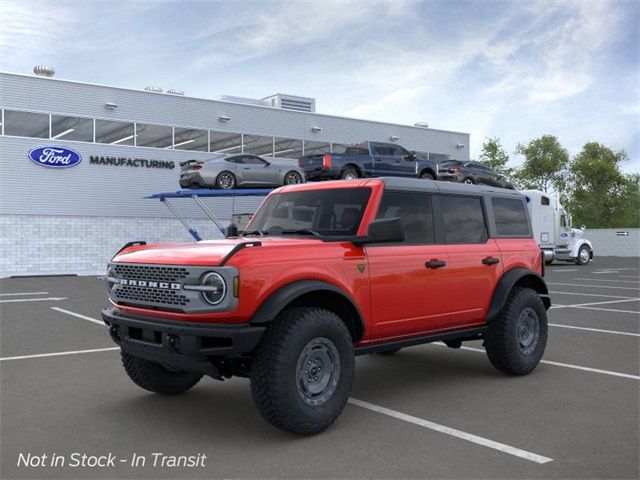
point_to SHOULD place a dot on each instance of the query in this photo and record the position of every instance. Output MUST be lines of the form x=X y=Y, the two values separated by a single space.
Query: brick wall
x=47 y=245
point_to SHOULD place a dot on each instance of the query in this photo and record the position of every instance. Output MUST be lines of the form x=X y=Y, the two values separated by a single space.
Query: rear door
x=407 y=297
x=383 y=159
x=474 y=258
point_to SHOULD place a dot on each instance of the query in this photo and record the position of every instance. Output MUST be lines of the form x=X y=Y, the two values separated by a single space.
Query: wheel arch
x=312 y=293
x=517 y=277
x=428 y=170
x=354 y=166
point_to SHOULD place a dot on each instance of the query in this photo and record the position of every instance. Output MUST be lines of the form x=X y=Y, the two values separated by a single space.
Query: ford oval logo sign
x=55 y=157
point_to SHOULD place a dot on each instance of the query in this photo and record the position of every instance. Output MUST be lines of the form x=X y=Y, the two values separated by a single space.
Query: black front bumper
x=181 y=345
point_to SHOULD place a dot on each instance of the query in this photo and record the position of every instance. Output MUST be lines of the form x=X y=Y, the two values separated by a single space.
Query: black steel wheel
x=517 y=337
x=302 y=370
x=292 y=178
x=225 y=180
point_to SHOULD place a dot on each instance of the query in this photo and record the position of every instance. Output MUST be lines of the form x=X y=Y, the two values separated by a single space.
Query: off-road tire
x=156 y=378
x=427 y=176
x=579 y=260
x=392 y=351
x=275 y=385
x=220 y=179
x=349 y=173
x=502 y=340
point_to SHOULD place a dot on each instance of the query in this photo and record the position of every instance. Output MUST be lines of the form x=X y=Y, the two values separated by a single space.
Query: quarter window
x=463 y=219
x=414 y=209
x=511 y=217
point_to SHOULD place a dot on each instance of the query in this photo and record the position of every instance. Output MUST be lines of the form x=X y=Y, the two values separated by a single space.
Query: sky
x=509 y=69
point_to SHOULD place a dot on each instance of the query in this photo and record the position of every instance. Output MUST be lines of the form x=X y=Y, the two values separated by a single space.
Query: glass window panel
x=287 y=148
x=511 y=216
x=190 y=139
x=225 y=143
x=316 y=148
x=72 y=128
x=415 y=211
x=258 y=145
x=115 y=133
x=463 y=219
x=338 y=147
x=157 y=136
x=26 y=124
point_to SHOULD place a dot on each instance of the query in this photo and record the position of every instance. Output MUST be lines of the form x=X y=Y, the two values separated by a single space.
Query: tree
x=494 y=156
x=545 y=164
x=601 y=195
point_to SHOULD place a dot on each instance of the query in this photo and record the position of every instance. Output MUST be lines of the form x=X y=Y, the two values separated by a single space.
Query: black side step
x=466 y=334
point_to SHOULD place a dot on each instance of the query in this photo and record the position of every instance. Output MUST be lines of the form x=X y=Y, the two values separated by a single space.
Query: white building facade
x=129 y=144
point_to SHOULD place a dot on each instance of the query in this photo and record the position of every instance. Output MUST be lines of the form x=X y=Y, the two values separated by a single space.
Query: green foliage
x=601 y=196
x=545 y=164
x=494 y=156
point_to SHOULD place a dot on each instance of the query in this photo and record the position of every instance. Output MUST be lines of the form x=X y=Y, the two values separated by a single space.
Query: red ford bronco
x=325 y=272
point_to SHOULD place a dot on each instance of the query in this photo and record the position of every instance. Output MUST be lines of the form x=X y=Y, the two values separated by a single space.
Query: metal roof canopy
x=196 y=195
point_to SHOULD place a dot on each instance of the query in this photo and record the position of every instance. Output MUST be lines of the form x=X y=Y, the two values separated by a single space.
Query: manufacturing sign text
x=130 y=162
x=55 y=157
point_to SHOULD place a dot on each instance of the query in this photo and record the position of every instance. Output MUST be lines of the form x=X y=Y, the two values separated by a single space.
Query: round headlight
x=216 y=288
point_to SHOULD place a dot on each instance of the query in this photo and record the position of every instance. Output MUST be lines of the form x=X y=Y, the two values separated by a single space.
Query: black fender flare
x=506 y=284
x=282 y=297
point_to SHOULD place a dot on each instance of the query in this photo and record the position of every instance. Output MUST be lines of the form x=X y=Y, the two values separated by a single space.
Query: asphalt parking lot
x=427 y=412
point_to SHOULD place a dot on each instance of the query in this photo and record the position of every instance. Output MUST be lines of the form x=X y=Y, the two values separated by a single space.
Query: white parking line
x=23 y=293
x=607 y=280
x=57 y=354
x=588 y=294
x=562 y=271
x=605 y=272
x=582 y=285
x=628 y=276
x=611 y=310
x=50 y=299
x=594 y=330
x=74 y=314
x=577 y=305
x=485 y=442
x=558 y=364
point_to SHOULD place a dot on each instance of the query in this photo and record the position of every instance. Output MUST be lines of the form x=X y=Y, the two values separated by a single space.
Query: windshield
x=335 y=212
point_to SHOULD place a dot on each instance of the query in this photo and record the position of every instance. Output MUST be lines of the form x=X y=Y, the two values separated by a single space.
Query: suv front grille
x=142 y=295
x=151 y=272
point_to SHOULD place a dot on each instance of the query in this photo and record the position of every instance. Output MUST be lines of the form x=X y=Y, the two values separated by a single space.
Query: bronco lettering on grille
x=150 y=284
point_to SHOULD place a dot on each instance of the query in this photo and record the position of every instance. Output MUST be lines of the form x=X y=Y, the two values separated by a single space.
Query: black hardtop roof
x=432 y=186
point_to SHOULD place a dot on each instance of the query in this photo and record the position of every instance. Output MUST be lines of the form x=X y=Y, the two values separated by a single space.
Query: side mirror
x=232 y=231
x=411 y=156
x=383 y=230
x=583 y=228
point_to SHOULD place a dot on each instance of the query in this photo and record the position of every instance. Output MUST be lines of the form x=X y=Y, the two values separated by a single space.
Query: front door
x=410 y=279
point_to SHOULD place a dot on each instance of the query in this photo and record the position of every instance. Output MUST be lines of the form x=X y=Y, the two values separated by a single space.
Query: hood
x=205 y=253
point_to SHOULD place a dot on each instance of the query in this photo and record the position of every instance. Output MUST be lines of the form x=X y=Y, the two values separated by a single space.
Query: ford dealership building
x=76 y=160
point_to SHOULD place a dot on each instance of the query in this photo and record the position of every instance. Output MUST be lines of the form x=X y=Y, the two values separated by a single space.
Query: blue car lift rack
x=197 y=195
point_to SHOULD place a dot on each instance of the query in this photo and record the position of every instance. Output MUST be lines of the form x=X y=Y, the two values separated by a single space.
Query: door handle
x=490 y=260
x=433 y=264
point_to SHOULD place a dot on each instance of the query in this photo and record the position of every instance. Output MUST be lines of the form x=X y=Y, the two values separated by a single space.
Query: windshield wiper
x=254 y=232
x=302 y=231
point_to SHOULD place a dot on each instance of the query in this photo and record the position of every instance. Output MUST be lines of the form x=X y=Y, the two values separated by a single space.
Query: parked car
x=325 y=272
x=471 y=172
x=231 y=171
x=368 y=159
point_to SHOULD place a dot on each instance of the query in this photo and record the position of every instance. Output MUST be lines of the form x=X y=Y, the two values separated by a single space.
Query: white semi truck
x=553 y=231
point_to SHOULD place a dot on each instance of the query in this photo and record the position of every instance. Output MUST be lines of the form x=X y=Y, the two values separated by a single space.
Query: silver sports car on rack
x=242 y=170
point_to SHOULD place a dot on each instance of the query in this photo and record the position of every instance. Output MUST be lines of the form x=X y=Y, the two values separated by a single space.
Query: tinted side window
x=511 y=217
x=235 y=160
x=415 y=211
x=252 y=160
x=383 y=150
x=463 y=219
